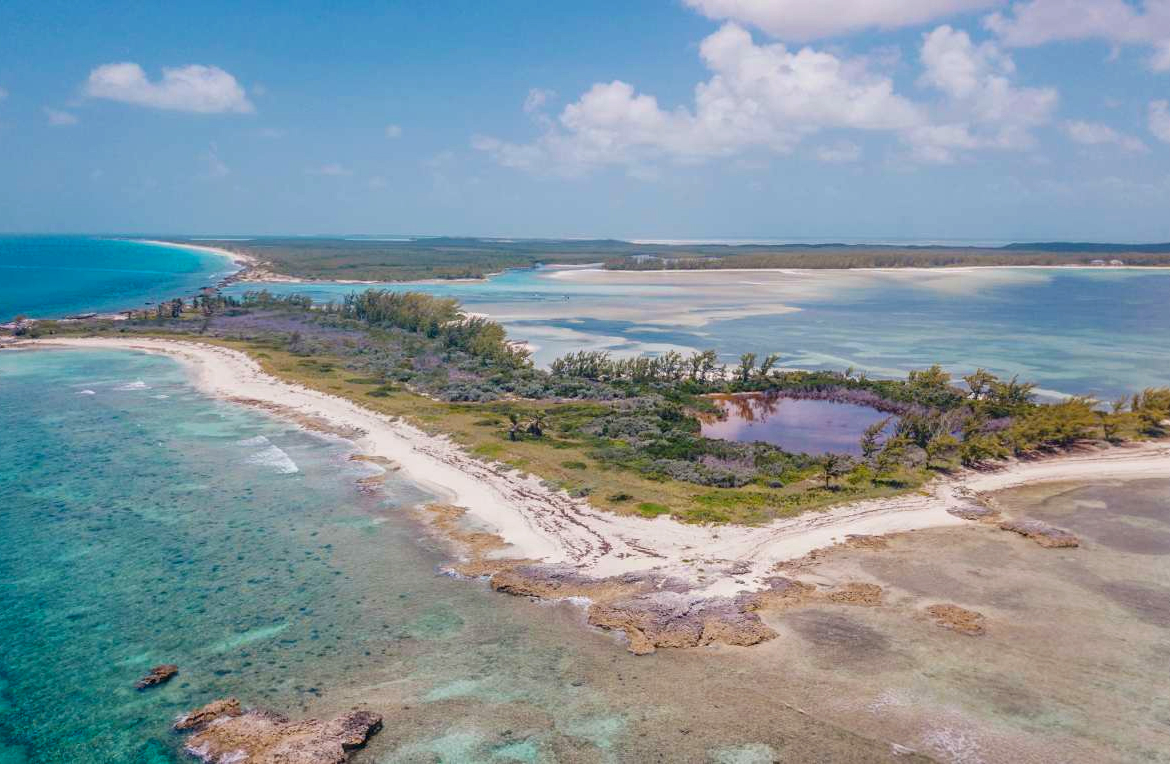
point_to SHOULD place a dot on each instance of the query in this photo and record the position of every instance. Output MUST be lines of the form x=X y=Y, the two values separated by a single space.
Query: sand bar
x=540 y=523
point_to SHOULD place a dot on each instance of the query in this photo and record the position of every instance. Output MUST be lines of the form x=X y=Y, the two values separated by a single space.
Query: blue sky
x=873 y=119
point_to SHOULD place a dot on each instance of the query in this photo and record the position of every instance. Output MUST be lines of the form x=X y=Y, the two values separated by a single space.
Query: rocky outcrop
x=958 y=619
x=674 y=619
x=213 y=710
x=226 y=735
x=158 y=675
x=1042 y=533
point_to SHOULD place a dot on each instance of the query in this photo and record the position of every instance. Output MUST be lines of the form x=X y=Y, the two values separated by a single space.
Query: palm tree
x=536 y=425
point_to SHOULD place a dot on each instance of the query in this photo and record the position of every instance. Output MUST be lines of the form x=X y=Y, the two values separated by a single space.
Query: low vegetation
x=626 y=432
x=406 y=259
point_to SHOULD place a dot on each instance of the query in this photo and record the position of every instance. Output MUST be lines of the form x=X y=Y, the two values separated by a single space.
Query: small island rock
x=158 y=675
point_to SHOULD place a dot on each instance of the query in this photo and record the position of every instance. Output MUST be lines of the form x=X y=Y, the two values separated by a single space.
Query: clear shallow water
x=142 y=523
x=1086 y=331
x=798 y=426
x=54 y=276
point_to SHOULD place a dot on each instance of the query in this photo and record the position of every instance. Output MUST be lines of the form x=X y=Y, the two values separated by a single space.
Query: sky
x=879 y=120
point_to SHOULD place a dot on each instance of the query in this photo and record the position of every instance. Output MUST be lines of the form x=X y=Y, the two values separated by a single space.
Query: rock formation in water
x=225 y=734
x=1042 y=533
x=158 y=675
x=674 y=619
x=213 y=710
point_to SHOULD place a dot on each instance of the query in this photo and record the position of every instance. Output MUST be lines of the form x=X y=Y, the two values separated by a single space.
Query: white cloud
x=804 y=20
x=839 y=153
x=764 y=96
x=1036 y=22
x=1096 y=134
x=985 y=109
x=536 y=99
x=59 y=118
x=195 y=88
x=393 y=131
x=1160 y=120
x=331 y=169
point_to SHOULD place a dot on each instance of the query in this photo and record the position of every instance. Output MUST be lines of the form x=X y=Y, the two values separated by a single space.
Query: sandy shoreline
x=546 y=525
x=242 y=260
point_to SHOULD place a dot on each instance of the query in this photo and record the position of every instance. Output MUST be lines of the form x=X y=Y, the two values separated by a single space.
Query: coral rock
x=158 y=675
x=213 y=710
x=1043 y=534
x=257 y=736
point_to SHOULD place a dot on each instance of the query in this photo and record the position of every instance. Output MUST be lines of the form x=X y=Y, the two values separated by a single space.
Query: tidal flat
x=1084 y=331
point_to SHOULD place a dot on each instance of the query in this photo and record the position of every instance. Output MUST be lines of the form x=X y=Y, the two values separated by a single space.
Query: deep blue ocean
x=55 y=276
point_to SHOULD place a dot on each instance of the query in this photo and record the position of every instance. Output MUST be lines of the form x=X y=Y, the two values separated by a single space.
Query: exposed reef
x=158 y=675
x=1042 y=533
x=225 y=734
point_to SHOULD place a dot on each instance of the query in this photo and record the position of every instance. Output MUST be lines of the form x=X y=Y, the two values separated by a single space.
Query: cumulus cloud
x=764 y=96
x=393 y=131
x=977 y=82
x=1036 y=22
x=1096 y=134
x=770 y=97
x=59 y=118
x=804 y=20
x=1160 y=120
x=195 y=88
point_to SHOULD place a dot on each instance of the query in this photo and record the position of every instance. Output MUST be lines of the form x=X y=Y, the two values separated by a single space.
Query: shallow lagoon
x=797 y=426
x=1103 y=332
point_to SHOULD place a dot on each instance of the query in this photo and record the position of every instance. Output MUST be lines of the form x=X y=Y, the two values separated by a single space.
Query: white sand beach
x=543 y=524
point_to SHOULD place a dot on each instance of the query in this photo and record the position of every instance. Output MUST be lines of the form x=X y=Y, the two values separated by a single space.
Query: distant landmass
x=412 y=259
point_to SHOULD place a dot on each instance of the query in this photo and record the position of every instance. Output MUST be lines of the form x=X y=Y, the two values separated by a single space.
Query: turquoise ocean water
x=1102 y=332
x=54 y=276
x=142 y=523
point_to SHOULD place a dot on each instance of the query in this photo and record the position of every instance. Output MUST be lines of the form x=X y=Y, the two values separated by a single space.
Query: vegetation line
x=626 y=432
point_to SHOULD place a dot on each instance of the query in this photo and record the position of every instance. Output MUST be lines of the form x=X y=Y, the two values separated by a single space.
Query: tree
x=833 y=466
x=747 y=362
x=940 y=446
x=536 y=425
x=980 y=383
x=891 y=456
x=767 y=364
x=515 y=430
x=869 y=438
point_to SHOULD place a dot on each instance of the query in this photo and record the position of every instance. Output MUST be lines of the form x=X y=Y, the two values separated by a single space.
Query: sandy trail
x=540 y=523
